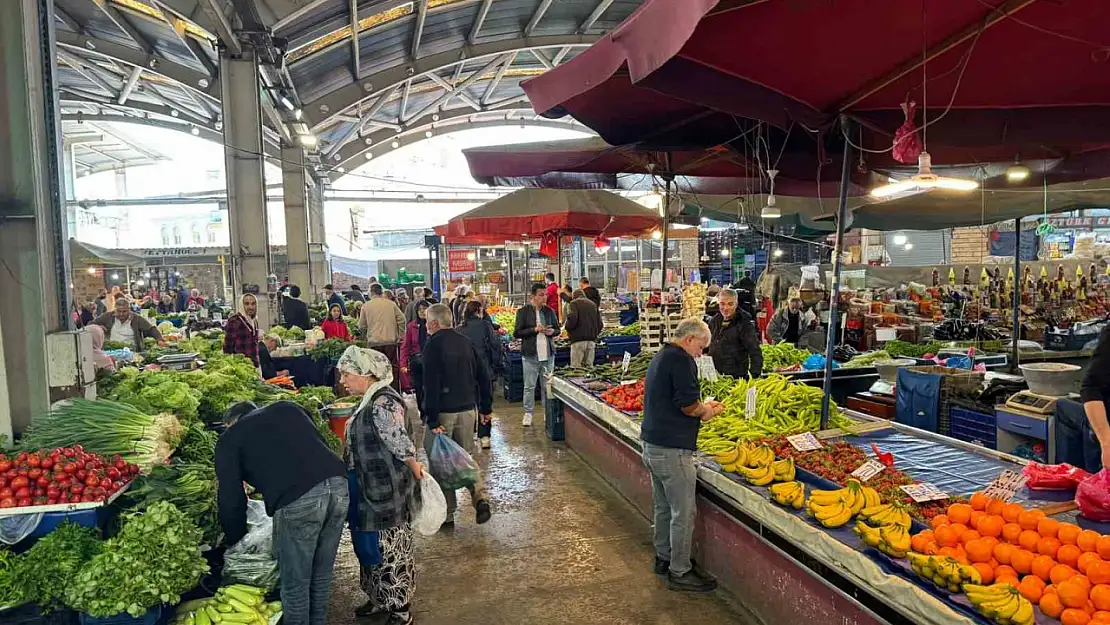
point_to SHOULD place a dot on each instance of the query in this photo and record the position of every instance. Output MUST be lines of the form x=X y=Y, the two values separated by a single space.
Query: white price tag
x=217 y=317
x=885 y=334
x=706 y=369
x=868 y=470
x=804 y=442
x=749 y=403
x=1005 y=486
x=627 y=361
x=924 y=491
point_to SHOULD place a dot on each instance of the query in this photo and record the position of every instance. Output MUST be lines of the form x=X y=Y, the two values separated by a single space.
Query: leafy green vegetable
x=199 y=445
x=154 y=559
x=107 y=428
x=189 y=486
x=901 y=348
x=50 y=565
x=114 y=345
x=329 y=349
x=12 y=589
x=158 y=391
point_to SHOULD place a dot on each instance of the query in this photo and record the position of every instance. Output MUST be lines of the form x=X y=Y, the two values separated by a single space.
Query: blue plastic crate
x=51 y=520
x=973 y=426
x=154 y=616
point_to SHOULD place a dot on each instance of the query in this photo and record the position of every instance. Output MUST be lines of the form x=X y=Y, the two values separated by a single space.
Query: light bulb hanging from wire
x=770 y=211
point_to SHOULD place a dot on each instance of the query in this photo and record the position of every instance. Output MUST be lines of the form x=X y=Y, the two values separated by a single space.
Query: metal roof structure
x=416 y=67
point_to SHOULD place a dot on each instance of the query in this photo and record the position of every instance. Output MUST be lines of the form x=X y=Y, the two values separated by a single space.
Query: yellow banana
x=840 y=519
x=784 y=470
x=825 y=497
x=1010 y=608
x=729 y=468
x=742 y=451
x=870 y=512
x=758 y=477
x=729 y=457
x=871 y=496
x=799 y=499
x=1024 y=614
x=869 y=534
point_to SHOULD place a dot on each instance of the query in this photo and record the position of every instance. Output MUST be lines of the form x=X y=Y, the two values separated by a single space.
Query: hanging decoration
x=601 y=244
x=907 y=144
x=549 y=244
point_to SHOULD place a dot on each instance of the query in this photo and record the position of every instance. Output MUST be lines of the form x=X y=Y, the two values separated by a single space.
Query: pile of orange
x=1057 y=566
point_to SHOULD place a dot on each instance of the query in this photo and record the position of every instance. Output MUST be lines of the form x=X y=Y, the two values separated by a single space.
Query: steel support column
x=246 y=186
x=296 y=217
x=319 y=268
x=33 y=242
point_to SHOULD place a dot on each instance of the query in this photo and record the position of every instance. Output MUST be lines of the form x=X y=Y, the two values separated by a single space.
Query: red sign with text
x=461 y=260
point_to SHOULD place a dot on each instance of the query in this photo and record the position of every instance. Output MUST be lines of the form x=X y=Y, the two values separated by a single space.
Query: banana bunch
x=761 y=456
x=893 y=540
x=944 y=571
x=854 y=497
x=759 y=476
x=886 y=514
x=784 y=470
x=735 y=456
x=789 y=494
x=1001 y=602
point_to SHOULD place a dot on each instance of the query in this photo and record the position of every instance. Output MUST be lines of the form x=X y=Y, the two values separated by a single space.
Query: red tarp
x=531 y=213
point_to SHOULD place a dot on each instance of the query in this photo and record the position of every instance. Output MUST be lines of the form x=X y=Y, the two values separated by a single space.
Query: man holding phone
x=673 y=412
x=536 y=326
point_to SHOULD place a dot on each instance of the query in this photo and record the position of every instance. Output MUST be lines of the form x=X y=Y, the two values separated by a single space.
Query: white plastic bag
x=16 y=527
x=433 y=507
x=251 y=561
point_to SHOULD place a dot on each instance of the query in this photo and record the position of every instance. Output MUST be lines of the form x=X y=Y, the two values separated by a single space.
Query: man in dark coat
x=294 y=310
x=583 y=326
x=591 y=292
x=735 y=345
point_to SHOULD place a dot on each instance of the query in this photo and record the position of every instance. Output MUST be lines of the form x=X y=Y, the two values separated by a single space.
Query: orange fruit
x=1002 y=552
x=1042 y=567
x=959 y=513
x=1007 y=579
x=1029 y=519
x=990 y=525
x=938 y=520
x=977 y=550
x=1029 y=539
x=1061 y=572
x=1048 y=546
x=995 y=507
x=1011 y=532
x=969 y=536
x=1069 y=555
x=1033 y=579
x=1085 y=560
x=1022 y=561
x=1090 y=608
x=976 y=516
x=979 y=501
x=1004 y=571
x=946 y=537
x=990 y=540
x=1051 y=605
x=1048 y=527
x=1050 y=589
x=960 y=554
x=1100 y=597
x=959 y=528
x=985 y=571
x=1098 y=572
x=1031 y=591
x=1088 y=540
x=1011 y=512
x=1072 y=594
x=1072 y=616
x=1102 y=546
x=1083 y=581
x=1100 y=617
x=1068 y=533
x=931 y=549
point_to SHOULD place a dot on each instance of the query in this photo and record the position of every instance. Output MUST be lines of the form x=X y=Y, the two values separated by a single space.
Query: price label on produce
x=749 y=403
x=627 y=361
x=1005 y=486
x=804 y=442
x=868 y=470
x=706 y=368
x=924 y=491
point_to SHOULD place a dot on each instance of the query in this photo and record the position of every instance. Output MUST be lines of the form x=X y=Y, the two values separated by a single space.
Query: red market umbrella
x=535 y=213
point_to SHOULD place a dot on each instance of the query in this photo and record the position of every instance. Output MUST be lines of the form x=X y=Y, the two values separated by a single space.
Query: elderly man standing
x=124 y=326
x=673 y=412
x=583 y=326
x=735 y=346
x=788 y=324
x=457 y=392
x=383 y=325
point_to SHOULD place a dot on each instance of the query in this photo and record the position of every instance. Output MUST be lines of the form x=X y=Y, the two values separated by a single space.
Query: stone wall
x=970 y=245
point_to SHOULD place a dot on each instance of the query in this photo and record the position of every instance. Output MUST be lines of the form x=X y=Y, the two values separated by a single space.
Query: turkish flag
x=549 y=245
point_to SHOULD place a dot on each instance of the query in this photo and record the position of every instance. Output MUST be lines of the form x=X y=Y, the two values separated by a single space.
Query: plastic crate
x=953 y=383
x=154 y=616
x=51 y=520
x=972 y=426
x=553 y=419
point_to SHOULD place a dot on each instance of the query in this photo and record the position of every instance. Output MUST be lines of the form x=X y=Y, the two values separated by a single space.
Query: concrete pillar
x=319 y=265
x=246 y=187
x=33 y=244
x=296 y=219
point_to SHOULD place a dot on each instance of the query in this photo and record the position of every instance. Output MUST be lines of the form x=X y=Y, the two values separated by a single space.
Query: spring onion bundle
x=108 y=428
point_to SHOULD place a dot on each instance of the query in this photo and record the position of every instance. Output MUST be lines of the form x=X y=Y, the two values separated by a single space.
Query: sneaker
x=485 y=442
x=691 y=581
x=482 y=512
x=367 y=609
x=662 y=567
x=399 y=618
x=527 y=419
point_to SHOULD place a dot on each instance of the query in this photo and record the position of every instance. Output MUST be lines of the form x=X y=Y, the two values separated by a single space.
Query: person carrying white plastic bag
x=381 y=459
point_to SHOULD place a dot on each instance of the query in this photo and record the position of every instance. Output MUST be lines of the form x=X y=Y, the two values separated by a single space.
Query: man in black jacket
x=583 y=326
x=591 y=292
x=735 y=346
x=277 y=450
x=536 y=326
x=294 y=310
x=1096 y=391
x=457 y=392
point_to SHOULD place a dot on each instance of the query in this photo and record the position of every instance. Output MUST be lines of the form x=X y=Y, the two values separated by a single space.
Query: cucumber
x=213 y=614
x=240 y=606
x=243 y=596
x=241 y=617
x=202 y=618
x=224 y=607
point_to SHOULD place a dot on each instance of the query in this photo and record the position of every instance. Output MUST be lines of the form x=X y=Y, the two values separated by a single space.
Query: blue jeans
x=306 y=538
x=673 y=492
x=533 y=369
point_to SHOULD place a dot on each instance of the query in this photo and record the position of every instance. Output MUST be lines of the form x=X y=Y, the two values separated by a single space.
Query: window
x=165 y=235
x=196 y=234
x=177 y=235
x=211 y=235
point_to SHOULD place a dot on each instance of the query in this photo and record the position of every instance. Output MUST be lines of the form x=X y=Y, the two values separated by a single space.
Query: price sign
x=706 y=369
x=1005 y=486
x=804 y=442
x=868 y=470
x=923 y=491
x=627 y=361
x=749 y=403
x=217 y=317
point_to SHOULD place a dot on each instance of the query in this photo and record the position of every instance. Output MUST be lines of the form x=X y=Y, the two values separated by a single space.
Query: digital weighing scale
x=178 y=362
x=1028 y=401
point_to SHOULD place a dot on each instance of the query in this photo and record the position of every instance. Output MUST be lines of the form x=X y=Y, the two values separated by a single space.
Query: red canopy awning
x=1003 y=77
x=531 y=213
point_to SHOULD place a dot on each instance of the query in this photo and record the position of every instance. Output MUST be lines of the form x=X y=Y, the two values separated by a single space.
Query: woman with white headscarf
x=383 y=470
x=241 y=329
x=101 y=360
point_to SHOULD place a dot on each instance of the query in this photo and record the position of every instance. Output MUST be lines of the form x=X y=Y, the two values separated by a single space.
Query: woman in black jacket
x=479 y=330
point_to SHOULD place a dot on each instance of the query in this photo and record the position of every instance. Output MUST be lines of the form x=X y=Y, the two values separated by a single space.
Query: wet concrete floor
x=562 y=547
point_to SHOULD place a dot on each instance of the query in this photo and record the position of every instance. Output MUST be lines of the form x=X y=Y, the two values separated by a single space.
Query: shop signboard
x=1080 y=222
x=462 y=261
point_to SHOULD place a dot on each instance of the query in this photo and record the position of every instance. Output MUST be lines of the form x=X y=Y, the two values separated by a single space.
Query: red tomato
x=47 y=464
x=20 y=482
x=75 y=499
x=34 y=460
x=70 y=468
x=6 y=492
x=53 y=492
x=42 y=482
x=82 y=474
x=34 y=474
x=69 y=452
x=26 y=501
x=51 y=501
x=77 y=488
x=22 y=492
x=113 y=473
x=91 y=481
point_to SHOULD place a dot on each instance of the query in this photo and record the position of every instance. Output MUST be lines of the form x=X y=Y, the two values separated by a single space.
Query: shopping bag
x=1053 y=476
x=433 y=507
x=251 y=561
x=451 y=466
x=1093 y=497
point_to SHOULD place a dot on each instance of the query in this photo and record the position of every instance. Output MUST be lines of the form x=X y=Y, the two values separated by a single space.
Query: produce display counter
x=757 y=548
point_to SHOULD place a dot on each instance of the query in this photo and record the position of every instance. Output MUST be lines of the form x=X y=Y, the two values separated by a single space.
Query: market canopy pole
x=1017 y=294
x=834 y=299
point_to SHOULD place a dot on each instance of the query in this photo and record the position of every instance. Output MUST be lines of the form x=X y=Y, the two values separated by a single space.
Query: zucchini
x=202 y=618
